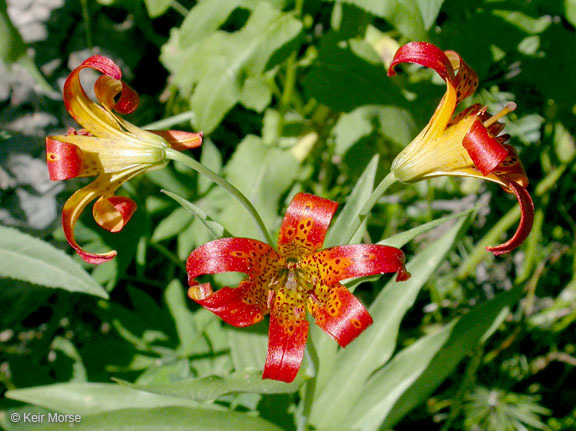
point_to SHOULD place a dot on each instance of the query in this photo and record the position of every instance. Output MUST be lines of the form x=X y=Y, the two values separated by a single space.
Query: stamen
x=270 y=298
x=510 y=107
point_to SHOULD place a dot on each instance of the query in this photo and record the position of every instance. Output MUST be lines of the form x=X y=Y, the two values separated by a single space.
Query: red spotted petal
x=286 y=345
x=343 y=317
x=245 y=255
x=484 y=150
x=64 y=160
x=180 y=140
x=511 y=168
x=526 y=221
x=234 y=306
x=114 y=212
x=305 y=224
x=359 y=260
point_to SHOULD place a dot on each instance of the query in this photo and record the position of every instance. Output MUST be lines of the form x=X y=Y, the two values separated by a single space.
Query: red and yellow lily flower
x=108 y=147
x=286 y=283
x=467 y=144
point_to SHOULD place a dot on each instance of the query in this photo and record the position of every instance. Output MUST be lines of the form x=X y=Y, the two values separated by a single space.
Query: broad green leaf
x=375 y=346
x=157 y=7
x=256 y=93
x=218 y=66
x=403 y=14
x=394 y=123
x=166 y=419
x=415 y=372
x=248 y=348
x=429 y=10
x=212 y=387
x=570 y=11
x=23 y=257
x=214 y=228
x=12 y=47
x=354 y=202
x=177 y=301
x=344 y=80
x=172 y=224
x=264 y=174
x=204 y=19
x=90 y=398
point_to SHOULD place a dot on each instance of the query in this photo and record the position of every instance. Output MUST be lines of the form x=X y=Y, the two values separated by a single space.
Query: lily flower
x=468 y=144
x=108 y=147
x=286 y=283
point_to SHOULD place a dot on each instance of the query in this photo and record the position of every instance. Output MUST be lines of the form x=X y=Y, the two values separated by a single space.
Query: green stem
x=289 y=83
x=171 y=121
x=478 y=252
x=369 y=204
x=203 y=170
x=86 y=18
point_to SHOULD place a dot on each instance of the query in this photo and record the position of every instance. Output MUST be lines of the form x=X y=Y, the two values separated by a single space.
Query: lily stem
x=213 y=176
x=369 y=204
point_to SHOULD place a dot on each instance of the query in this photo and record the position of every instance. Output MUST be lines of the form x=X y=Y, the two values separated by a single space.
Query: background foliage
x=292 y=96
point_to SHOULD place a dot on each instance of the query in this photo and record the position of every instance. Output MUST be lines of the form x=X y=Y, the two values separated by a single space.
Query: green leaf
x=264 y=174
x=167 y=419
x=173 y=224
x=403 y=238
x=354 y=203
x=212 y=387
x=12 y=47
x=429 y=10
x=413 y=374
x=204 y=19
x=570 y=11
x=90 y=398
x=216 y=230
x=176 y=301
x=375 y=346
x=344 y=79
x=219 y=66
x=157 y=7
x=256 y=93
x=23 y=257
x=212 y=159
x=248 y=348
x=403 y=14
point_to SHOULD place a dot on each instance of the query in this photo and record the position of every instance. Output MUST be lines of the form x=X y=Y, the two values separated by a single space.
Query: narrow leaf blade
x=23 y=257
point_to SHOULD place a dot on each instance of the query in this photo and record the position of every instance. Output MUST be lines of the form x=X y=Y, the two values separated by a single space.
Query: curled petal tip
x=95 y=258
x=64 y=160
x=114 y=212
x=199 y=292
x=403 y=275
x=180 y=140
x=525 y=225
x=424 y=54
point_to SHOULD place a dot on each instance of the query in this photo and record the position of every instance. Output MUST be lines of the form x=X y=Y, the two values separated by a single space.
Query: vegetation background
x=292 y=96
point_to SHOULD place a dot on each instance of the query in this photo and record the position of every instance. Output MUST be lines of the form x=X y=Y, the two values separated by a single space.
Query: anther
x=510 y=107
